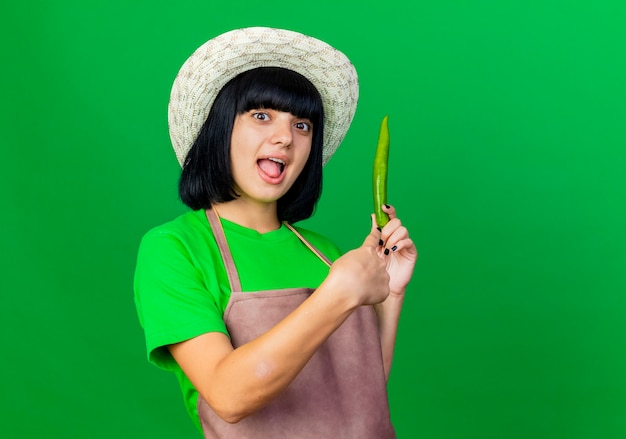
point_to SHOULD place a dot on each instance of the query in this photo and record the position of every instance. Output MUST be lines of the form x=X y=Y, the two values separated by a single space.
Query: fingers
x=392 y=226
x=373 y=238
x=390 y=211
x=394 y=236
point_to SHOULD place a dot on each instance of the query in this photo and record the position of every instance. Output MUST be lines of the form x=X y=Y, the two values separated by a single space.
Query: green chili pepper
x=379 y=180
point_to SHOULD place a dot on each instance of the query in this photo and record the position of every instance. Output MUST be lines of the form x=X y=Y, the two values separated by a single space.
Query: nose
x=281 y=134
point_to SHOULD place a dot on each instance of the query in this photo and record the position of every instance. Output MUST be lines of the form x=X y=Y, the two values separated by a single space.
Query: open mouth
x=271 y=166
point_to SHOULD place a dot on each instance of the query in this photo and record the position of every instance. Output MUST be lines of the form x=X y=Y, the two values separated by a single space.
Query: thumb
x=373 y=238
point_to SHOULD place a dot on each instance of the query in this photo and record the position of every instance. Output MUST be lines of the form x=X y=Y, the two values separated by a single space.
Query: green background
x=508 y=153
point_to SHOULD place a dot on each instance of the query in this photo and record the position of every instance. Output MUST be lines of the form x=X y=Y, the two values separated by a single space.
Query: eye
x=259 y=115
x=304 y=126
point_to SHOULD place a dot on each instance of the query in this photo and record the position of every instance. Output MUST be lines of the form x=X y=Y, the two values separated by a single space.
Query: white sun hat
x=222 y=58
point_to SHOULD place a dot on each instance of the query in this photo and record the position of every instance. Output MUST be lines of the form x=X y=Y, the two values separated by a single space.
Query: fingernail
x=394 y=248
x=387 y=206
x=386 y=251
x=380 y=242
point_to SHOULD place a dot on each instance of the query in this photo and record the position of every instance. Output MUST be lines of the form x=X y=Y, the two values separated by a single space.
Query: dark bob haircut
x=207 y=177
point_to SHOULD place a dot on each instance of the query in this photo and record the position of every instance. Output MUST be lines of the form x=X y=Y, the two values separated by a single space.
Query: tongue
x=269 y=167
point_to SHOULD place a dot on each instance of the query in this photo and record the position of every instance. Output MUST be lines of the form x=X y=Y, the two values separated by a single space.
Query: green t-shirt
x=181 y=286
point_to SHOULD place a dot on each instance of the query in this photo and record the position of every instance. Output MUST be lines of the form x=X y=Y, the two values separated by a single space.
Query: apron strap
x=227 y=257
x=318 y=253
x=229 y=264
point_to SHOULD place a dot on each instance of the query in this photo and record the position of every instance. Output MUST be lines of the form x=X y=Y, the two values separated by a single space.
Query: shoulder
x=188 y=223
x=188 y=235
x=184 y=228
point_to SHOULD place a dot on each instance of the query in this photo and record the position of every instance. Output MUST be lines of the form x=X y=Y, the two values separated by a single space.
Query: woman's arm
x=388 y=314
x=238 y=382
x=400 y=256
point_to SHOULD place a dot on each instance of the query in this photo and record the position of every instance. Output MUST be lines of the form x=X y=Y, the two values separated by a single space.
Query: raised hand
x=398 y=251
x=362 y=272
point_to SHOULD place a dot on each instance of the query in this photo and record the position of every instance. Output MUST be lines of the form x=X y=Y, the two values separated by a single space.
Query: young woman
x=270 y=330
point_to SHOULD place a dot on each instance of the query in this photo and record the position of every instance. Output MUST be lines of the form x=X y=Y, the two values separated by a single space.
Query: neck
x=260 y=217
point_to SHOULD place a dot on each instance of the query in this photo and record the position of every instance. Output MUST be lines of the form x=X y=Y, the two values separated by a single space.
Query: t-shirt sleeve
x=174 y=302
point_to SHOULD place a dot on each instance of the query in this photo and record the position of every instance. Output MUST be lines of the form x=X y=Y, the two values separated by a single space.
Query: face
x=269 y=149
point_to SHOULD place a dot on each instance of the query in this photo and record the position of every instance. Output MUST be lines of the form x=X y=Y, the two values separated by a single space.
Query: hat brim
x=222 y=58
